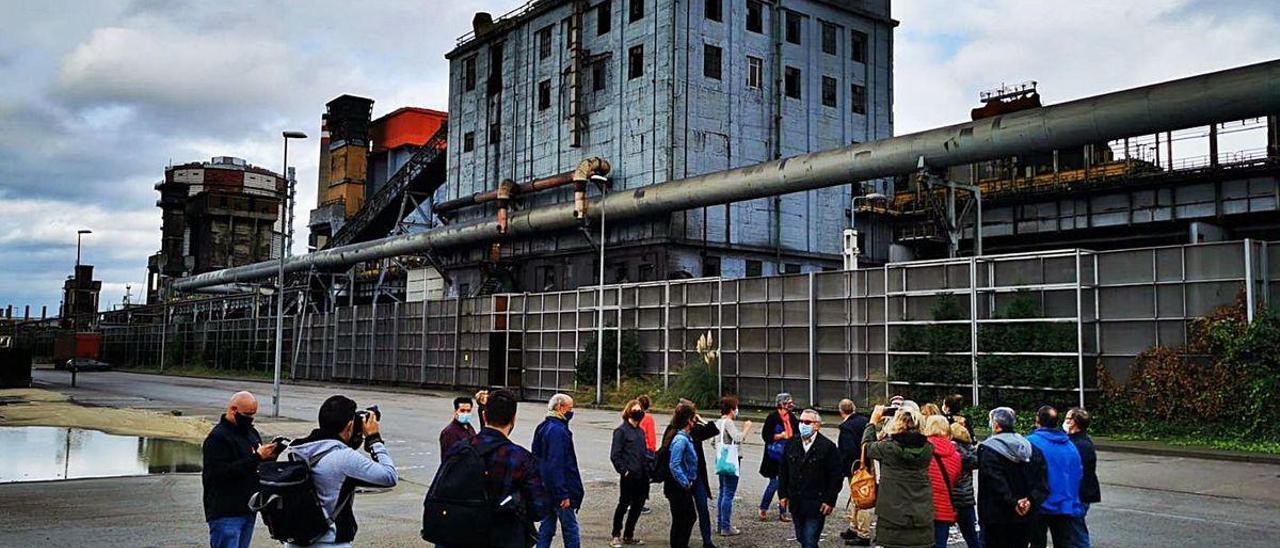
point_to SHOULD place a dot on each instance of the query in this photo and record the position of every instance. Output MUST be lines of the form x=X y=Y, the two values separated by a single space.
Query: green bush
x=698 y=383
x=632 y=358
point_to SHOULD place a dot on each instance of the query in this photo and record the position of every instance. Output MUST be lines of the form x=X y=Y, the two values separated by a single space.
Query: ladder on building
x=424 y=172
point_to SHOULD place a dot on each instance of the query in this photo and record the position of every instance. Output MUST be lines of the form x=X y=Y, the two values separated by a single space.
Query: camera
x=890 y=411
x=361 y=416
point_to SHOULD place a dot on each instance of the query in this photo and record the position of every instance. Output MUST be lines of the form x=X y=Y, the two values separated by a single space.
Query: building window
x=829 y=38
x=714 y=10
x=755 y=72
x=711 y=266
x=635 y=62
x=755 y=268
x=711 y=61
x=468 y=141
x=791 y=82
x=598 y=71
x=469 y=73
x=636 y=12
x=495 y=133
x=790 y=268
x=859 y=46
x=755 y=16
x=793 y=27
x=544 y=95
x=828 y=91
x=544 y=42
x=647 y=272
x=604 y=18
x=859 y=99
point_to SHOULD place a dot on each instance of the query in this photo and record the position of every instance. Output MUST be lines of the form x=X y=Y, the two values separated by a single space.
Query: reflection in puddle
x=35 y=453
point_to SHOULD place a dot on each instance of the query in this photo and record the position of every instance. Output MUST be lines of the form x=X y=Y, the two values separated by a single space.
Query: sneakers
x=858 y=541
x=616 y=542
x=785 y=518
x=645 y=510
x=730 y=532
x=848 y=534
x=632 y=541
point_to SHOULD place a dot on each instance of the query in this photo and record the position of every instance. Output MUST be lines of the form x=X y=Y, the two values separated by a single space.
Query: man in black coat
x=1011 y=483
x=702 y=431
x=852 y=426
x=809 y=479
x=231 y=453
x=1077 y=424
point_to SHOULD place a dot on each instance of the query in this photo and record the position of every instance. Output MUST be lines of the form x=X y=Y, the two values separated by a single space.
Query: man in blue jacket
x=1063 y=471
x=558 y=466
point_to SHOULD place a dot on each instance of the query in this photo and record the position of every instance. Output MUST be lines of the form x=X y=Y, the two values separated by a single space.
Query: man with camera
x=338 y=465
x=231 y=453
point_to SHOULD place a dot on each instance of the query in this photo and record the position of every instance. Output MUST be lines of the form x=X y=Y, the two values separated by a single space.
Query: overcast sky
x=100 y=95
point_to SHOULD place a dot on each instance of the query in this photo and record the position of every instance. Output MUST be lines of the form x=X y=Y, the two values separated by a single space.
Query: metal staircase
x=424 y=172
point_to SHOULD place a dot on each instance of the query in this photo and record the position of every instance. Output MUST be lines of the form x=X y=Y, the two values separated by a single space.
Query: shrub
x=698 y=383
x=632 y=358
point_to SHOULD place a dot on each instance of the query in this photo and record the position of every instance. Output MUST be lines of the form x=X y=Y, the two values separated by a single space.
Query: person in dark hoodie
x=1077 y=424
x=231 y=454
x=340 y=468
x=1011 y=483
x=631 y=458
x=558 y=465
x=1064 y=471
x=701 y=491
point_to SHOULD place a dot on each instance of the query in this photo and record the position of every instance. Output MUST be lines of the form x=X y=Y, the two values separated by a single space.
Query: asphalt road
x=1147 y=500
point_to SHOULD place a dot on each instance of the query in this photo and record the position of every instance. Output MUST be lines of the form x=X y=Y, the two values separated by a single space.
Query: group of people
x=923 y=458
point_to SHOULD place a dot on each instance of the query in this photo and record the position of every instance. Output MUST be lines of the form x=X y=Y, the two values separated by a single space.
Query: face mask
x=637 y=415
x=244 y=421
x=568 y=416
x=735 y=414
x=464 y=418
x=806 y=430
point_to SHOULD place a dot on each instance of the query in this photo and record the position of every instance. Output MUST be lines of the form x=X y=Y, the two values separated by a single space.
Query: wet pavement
x=41 y=453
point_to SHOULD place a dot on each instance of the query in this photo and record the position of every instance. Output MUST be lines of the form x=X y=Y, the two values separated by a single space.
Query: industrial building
x=216 y=214
x=660 y=91
x=80 y=295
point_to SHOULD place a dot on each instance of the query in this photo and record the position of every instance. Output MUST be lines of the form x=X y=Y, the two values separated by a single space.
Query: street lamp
x=853 y=220
x=80 y=233
x=602 y=182
x=284 y=251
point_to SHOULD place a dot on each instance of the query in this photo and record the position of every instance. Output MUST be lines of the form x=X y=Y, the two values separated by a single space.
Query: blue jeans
x=767 y=499
x=967 y=521
x=1080 y=531
x=808 y=529
x=941 y=532
x=700 y=497
x=232 y=531
x=724 y=502
x=568 y=518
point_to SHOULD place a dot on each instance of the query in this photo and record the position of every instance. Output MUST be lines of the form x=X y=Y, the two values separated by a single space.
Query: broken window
x=755 y=16
x=469 y=73
x=755 y=72
x=828 y=91
x=598 y=72
x=714 y=10
x=791 y=82
x=793 y=27
x=859 y=99
x=635 y=62
x=544 y=42
x=829 y=38
x=604 y=18
x=468 y=141
x=859 y=46
x=544 y=95
x=711 y=266
x=711 y=61
x=637 y=11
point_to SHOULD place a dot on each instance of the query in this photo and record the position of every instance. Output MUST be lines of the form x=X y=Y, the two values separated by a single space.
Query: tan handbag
x=862 y=486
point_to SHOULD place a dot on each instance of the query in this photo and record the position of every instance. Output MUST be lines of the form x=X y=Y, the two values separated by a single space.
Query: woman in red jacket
x=944 y=472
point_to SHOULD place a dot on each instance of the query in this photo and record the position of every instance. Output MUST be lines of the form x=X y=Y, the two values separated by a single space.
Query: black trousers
x=634 y=491
x=683 y=516
x=1056 y=524
x=1005 y=535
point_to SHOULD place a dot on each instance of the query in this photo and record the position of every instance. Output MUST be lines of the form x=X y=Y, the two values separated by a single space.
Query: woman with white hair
x=904 y=502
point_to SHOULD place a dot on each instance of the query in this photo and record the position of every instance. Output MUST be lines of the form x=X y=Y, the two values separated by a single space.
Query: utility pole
x=285 y=208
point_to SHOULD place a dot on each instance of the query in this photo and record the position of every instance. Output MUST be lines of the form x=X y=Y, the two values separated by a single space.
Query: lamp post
x=80 y=233
x=853 y=218
x=603 y=183
x=284 y=252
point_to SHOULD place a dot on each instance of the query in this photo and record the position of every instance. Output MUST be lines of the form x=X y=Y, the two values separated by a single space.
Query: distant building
x=344 y=150
x=80 y=295
x=216 y=214
x=664 y=90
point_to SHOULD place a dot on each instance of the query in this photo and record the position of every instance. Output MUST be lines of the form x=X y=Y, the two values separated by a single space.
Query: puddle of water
x=36 y=453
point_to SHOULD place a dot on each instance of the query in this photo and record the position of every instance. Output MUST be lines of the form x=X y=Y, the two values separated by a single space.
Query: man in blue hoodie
x=558 y=466
x=1063 y=470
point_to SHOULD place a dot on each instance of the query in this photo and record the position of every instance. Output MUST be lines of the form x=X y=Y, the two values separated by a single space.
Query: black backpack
x=660 y=468
x=457 y=510
x=288 y=502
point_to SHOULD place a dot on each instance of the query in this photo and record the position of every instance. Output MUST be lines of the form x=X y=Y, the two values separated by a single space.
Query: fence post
x=813 y=351
x=1079 y=329
x=373 y=336
x=422 y=359
x=973 y=325
x=666 y=335
x=1248 y=279
x=395 y=343
x=719 y=332
x=457 y=336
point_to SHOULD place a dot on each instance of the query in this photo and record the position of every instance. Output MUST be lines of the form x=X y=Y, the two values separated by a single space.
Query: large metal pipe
x=1234 y=94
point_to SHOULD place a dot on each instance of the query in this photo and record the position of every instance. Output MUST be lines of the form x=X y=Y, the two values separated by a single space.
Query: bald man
x=231 y=456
